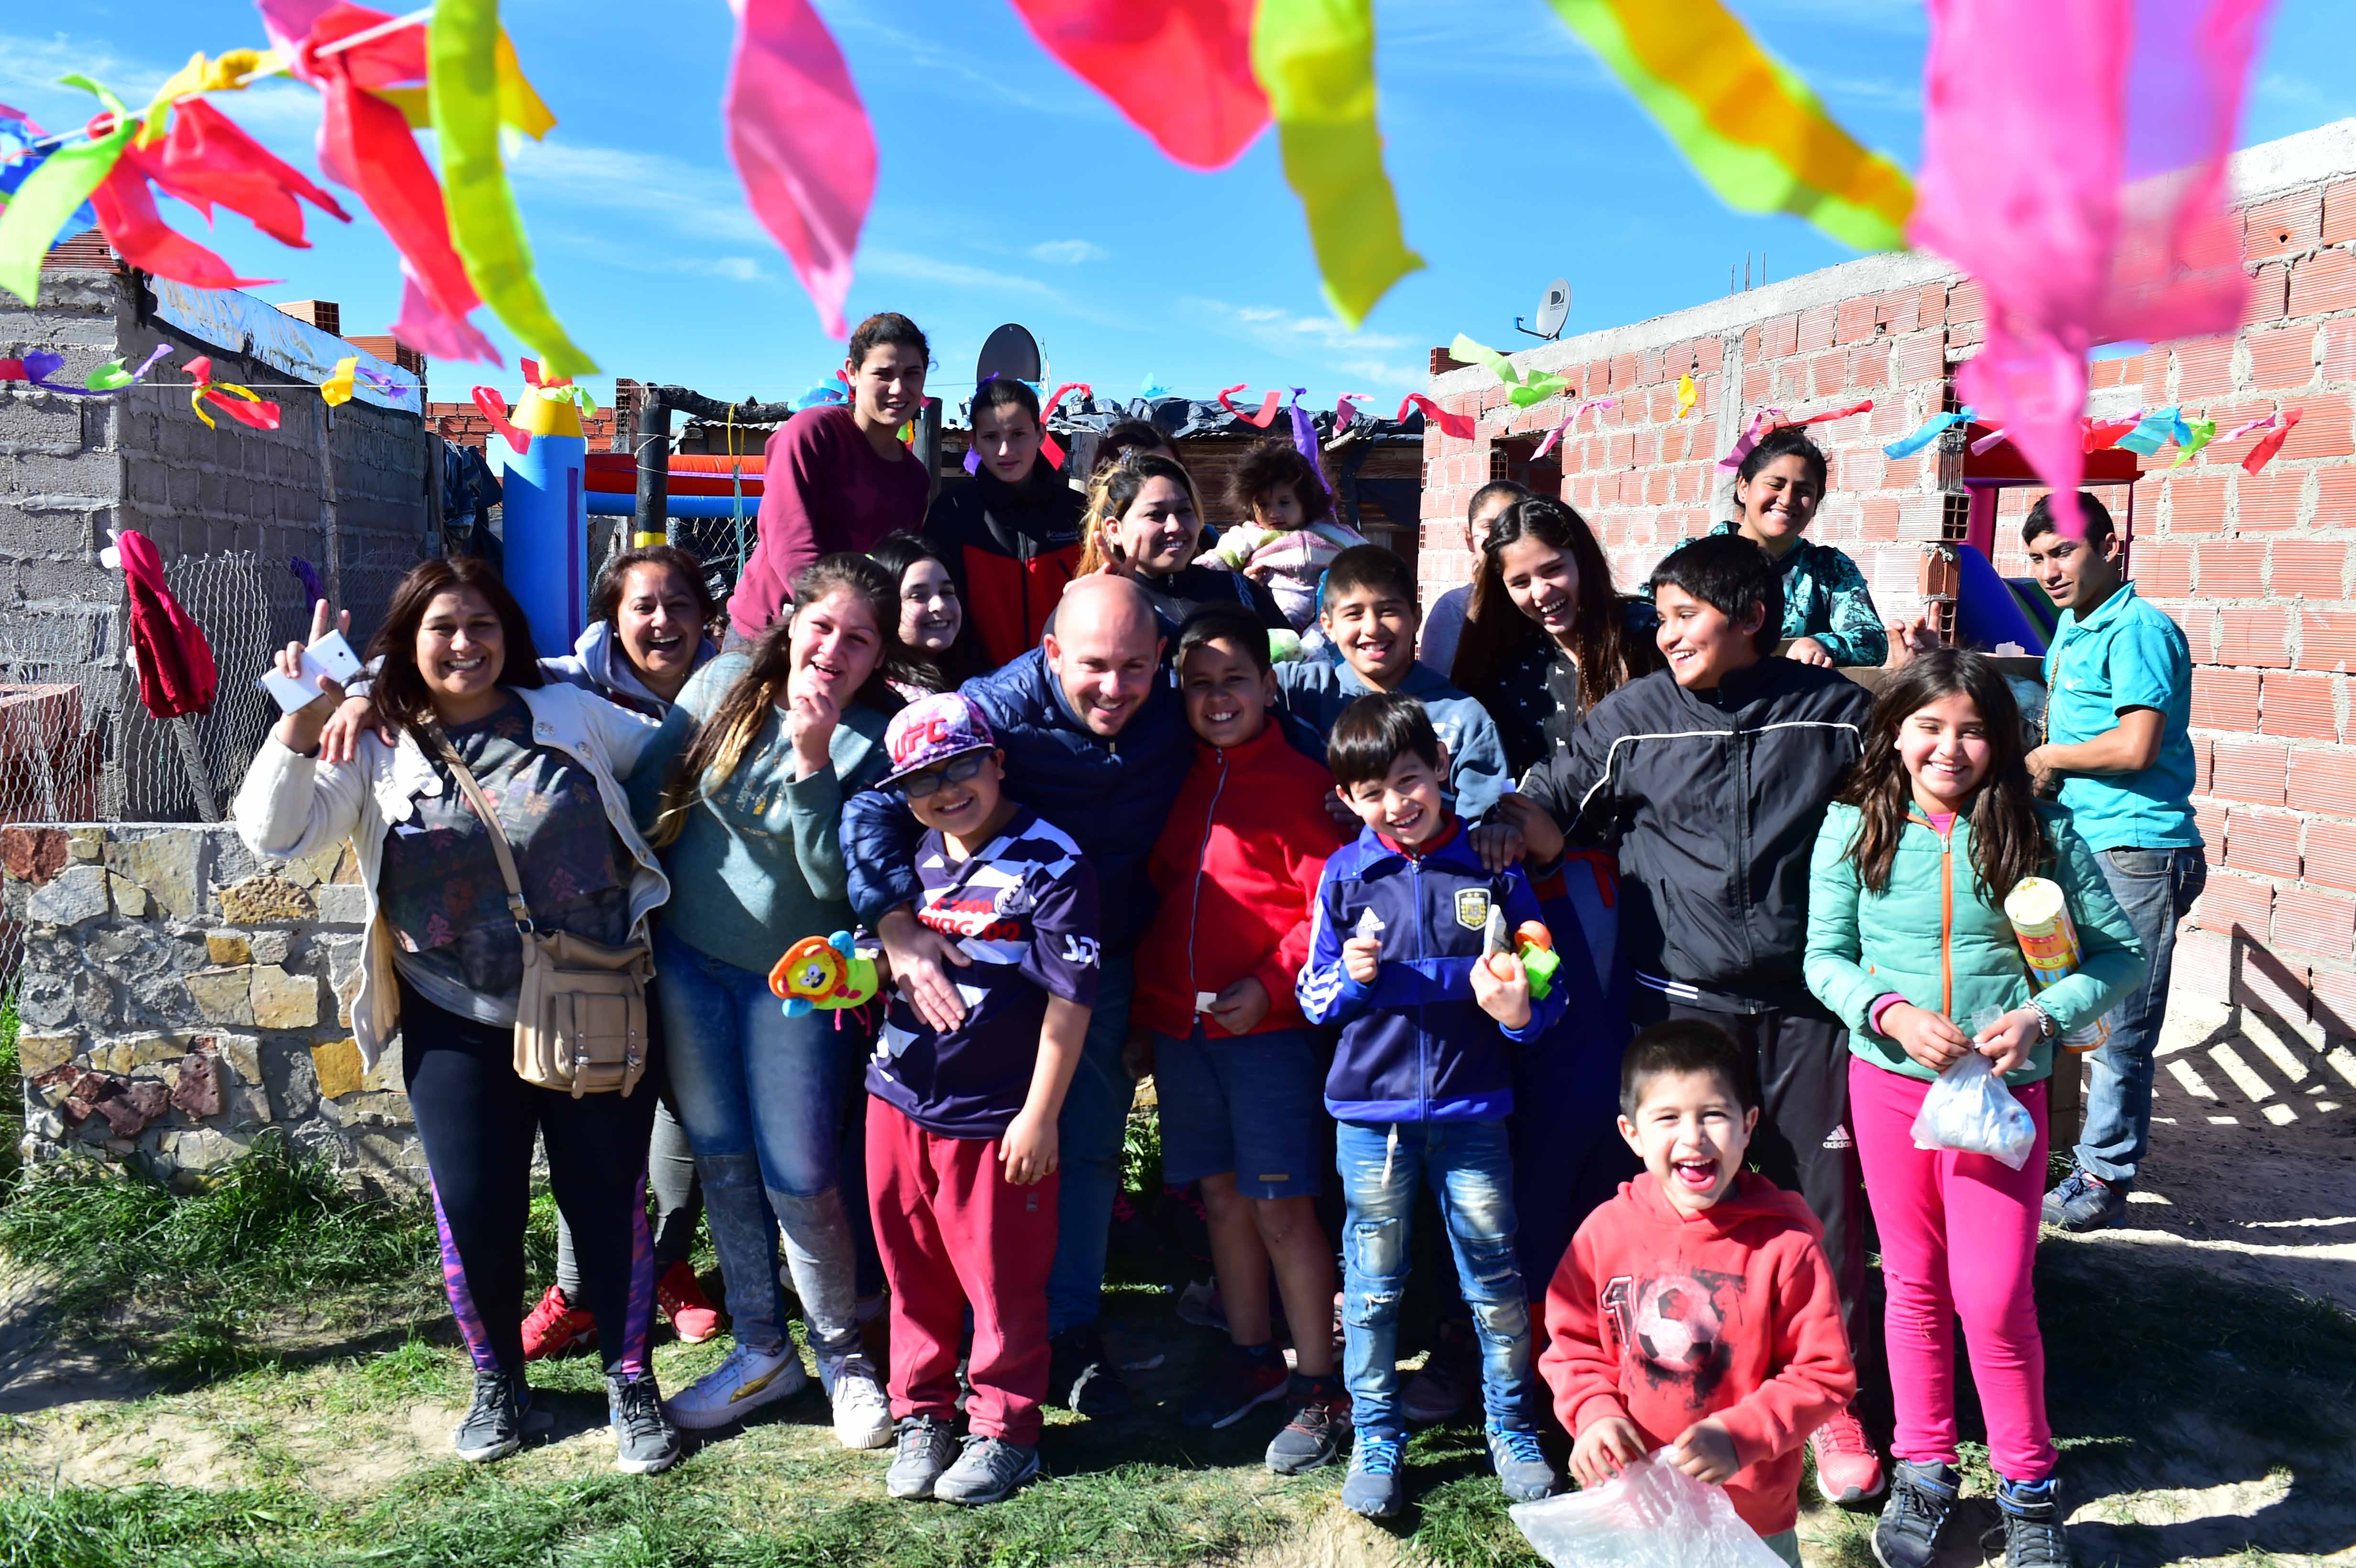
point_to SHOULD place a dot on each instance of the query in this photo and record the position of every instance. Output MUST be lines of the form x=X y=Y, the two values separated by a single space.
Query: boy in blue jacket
x=1422 y=1082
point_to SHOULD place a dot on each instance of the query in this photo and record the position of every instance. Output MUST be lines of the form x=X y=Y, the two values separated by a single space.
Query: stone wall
x=180 y=995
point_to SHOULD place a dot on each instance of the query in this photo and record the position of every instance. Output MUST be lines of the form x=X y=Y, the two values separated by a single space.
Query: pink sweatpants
x=1958 y=1237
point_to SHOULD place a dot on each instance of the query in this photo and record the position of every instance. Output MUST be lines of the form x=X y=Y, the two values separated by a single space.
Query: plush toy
x=1532 y=943
x=823 y=972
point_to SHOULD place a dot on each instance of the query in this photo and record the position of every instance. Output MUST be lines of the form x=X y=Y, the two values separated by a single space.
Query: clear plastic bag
x=1651 y=1515
x=1970 y=1108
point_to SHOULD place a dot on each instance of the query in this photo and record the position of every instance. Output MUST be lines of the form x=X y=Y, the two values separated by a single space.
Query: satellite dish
x=1554 y=307
x=1010 y=351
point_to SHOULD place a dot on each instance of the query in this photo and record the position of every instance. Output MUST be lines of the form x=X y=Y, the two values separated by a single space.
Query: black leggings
x=477 y=1121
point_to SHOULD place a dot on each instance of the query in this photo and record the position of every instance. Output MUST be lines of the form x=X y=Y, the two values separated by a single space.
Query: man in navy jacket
x=1097 y=743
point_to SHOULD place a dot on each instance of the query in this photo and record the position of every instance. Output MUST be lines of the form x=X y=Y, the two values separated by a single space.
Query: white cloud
x=705 y=204
x=611 y=253
x=1068 y=252
x=911 y=268
x=2289 y=92
x=949 y=58
x=1357 y=354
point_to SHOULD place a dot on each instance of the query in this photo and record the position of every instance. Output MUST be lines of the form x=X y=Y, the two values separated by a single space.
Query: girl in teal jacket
x=1908 y=942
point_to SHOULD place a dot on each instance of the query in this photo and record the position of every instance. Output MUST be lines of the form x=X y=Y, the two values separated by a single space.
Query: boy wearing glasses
x=961 y=1144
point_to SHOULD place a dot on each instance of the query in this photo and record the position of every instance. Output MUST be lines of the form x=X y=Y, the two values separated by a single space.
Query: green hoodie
x=758 y=869
x=1933 y=937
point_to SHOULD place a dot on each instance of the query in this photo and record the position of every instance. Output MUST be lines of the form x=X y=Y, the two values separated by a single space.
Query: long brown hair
x=2009 y=842
x=1496 y=632
x=1113 y=489
x=398 y=692
x=712 y=758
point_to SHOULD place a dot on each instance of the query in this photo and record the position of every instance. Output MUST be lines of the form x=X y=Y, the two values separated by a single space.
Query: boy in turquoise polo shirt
x=2119 y=704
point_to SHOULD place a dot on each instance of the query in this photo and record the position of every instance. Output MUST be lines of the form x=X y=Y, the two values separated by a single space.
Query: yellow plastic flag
x=337 y=389
x=227 y=74
x=1688 y=395
x=1751 y=127
x=520 y=102
x=1315 y=59
x=462 y=51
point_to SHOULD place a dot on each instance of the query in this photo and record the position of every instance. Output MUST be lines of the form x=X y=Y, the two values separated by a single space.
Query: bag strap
x=475 y=797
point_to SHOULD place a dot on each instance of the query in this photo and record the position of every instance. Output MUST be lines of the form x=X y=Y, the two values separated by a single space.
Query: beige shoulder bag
x=581 y=1019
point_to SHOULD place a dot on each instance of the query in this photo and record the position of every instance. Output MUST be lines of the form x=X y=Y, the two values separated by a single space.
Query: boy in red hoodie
x=1235 y=1067
x=1697 y=1310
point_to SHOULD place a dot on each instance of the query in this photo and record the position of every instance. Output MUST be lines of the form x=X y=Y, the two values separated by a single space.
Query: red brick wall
x=2255 y=569
x=464 y=424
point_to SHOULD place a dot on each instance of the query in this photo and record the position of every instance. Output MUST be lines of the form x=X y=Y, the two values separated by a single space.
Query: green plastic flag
x=463 y=82
x=1753 y=129
x=2199 y=433
x=1315 y=59
x=50 y=193
x=1520 y=391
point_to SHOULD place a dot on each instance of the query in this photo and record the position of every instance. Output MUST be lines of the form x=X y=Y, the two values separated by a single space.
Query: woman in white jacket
x=442 y=960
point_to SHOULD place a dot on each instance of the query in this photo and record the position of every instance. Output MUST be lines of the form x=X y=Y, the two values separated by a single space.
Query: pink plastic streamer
x=1458 y=427
x=802 y=145
x=2074 y=162
x=1767 y=419
x=1557 y=433
x=1345 y=408
x=1990 y=442
x=1268 y=405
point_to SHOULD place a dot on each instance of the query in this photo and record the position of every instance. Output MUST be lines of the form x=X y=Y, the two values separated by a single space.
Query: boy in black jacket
x=1712 y=777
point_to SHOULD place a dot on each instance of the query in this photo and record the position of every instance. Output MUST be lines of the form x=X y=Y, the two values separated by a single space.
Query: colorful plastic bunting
x=208 y=159
x=1315 y=58
x=253 y=409
x=1767 y=419
x=1928 y=430
x=1570 y=420
x=2258 y=456
x=1688 y=395
x=2074 y=161
x=462 y=66
x=2198 y=434
x=1522 y=388
x=1754 y=132
x=384 y=385
x=2151 y=432
x=1345 y=408
x=1269 y=404
x=1457 y=427
x=51 y=195
x=337 y=389
x=227 y=74
x=39 y=368
x=1179 y=70
x=802 y=145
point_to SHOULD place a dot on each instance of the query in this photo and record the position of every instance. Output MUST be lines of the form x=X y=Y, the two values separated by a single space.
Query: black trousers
x=1804 y=1143
x=477 y=1122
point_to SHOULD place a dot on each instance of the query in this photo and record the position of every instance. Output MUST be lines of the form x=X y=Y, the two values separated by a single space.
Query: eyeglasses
x=957 y=770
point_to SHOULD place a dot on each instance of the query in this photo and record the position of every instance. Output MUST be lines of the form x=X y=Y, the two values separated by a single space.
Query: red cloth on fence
x=176 y=663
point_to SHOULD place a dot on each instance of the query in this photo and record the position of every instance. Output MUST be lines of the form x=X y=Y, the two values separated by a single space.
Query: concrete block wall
x=180 y=995
x=2255 y=569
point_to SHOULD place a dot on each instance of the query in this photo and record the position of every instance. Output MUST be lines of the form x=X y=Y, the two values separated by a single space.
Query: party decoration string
x=255 y=411
x=1522 y=388
x=40 y=364
x=2198 y=433
x=2076 y=166
x=337 y=389
x=1751 y=127
x=2278 y=426
x=1179 y=70
x=51 y=195
x=1315 y=59
x=803 y=148
x=1688 y=395
x=1928 y=430
x=463 y=77
x=383 y=384
x=1457 y=427
x=1557 y=433
x=1268 y=405
x=1767 y=419
x=2154 y=431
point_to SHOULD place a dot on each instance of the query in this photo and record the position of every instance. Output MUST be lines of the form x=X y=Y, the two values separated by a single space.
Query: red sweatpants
x=954 y=1231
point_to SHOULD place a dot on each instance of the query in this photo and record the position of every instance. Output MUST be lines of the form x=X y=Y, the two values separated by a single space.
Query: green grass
x=12 y=1089
x=195 y=1286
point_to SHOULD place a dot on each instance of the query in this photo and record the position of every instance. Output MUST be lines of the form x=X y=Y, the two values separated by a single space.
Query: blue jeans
x=1088 y=1136
x=761 y=1097
x=2156 y=888
x=1469 y=1167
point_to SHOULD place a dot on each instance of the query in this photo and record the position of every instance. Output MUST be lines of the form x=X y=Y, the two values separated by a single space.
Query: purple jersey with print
x=1025 y=910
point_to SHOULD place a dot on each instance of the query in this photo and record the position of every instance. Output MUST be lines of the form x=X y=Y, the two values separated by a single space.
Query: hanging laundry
x=176 y=675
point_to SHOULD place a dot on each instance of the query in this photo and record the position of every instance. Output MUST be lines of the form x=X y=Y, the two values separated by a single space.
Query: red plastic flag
x=495 y=408
x=802 y=145
x=239 y=403
x=2258 y=456
x=1267 y=406
x=208 y=159
x=1180 y=70
x=1459 y=426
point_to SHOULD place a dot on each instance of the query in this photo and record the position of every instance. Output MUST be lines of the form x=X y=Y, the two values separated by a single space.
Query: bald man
x=1097 y=743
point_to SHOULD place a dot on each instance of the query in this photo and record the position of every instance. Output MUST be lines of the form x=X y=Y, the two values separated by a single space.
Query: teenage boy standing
x=2119 y=684
x=1712 y=777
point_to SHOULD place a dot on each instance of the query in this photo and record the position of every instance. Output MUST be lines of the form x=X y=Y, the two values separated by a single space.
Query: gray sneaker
x=925 y=1451
x=1522 y=1468
x=989 y=1471
x=2085 y=1202
x=644 y=1441
x=1373 y=1488
x=2033 y=1537
x=1921 y=1498
x=493 y=1428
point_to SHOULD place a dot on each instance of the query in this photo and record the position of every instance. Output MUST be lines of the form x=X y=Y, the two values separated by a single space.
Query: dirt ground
x=2251 y=1177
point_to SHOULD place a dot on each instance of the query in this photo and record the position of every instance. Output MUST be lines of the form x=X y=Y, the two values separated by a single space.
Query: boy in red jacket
x=1696 y=1309
x=1235 y=1067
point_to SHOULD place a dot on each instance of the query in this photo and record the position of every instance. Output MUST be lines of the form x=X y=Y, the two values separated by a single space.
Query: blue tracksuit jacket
x=1415 y=1046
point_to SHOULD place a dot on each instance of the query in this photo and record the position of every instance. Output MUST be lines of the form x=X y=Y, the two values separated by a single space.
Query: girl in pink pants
x=1909 y=943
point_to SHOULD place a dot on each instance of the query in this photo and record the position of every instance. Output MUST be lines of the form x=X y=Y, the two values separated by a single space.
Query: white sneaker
x=742 y=1384
x=863 y=1410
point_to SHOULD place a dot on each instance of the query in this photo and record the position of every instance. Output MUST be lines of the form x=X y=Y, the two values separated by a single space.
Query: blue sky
x=1009 y=191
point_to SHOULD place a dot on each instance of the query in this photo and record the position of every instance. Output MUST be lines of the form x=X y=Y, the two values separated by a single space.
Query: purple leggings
x=1958 y=1238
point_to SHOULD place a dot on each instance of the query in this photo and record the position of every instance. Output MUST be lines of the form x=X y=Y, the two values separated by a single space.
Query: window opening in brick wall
x=1515 y=458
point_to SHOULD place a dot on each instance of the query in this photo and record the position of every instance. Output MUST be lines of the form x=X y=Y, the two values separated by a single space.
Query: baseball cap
x=932 y=729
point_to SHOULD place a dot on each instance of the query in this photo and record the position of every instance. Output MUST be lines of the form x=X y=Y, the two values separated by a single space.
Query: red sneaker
x=1848 y=1469
x=680 y=1296
x=555 y=1326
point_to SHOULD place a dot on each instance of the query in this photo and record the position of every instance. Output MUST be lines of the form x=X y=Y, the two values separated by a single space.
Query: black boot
x=2032 y=1524
x=1920 y=1497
